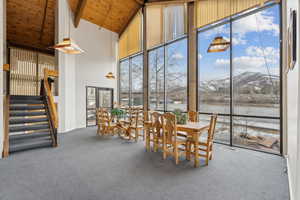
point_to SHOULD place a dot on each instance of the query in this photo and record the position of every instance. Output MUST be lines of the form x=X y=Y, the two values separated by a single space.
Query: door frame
x=97 y=100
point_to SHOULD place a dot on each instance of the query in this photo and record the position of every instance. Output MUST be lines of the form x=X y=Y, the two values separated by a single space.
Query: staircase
x=30 y=126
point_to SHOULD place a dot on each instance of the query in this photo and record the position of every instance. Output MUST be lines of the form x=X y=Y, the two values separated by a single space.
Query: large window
x=131 y=81
x=168 y=77
x=242 y=84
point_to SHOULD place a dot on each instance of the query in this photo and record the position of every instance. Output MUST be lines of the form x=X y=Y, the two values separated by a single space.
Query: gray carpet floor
x=89 y=167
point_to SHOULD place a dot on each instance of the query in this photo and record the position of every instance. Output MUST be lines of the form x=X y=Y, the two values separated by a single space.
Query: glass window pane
x=222 y=131
x=257 y=133
x=256 y=64
x=124 y=83
x=214 y=73
x=156 y=79
x=176 y=75
x=174 y=21
x=137 y=81
x=91 y=106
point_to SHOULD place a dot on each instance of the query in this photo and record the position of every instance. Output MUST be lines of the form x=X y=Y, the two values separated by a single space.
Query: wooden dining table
x=193 y=130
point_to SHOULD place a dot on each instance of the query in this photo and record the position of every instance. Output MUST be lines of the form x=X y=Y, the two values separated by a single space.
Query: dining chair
x=136 y=124
x=205 y=148
x=106 y=124
x=156 y=130
x=172 y=144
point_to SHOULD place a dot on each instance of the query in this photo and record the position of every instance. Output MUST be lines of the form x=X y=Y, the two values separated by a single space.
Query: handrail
x=48 y=93
x=6 y=67
x=5 y=152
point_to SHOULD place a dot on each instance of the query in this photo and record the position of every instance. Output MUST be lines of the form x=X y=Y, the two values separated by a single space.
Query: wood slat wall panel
x=26 y=71
x=211 y=11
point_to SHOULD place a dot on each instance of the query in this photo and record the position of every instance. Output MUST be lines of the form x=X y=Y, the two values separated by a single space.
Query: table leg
x=196 y=149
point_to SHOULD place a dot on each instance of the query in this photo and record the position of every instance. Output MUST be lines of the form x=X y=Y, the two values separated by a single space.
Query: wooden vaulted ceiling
x=31 y=23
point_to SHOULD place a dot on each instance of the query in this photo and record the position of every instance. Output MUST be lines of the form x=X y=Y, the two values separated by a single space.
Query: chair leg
x=210 y=156
x=176 y=155
x=165 y=151
x=136 y=135
x=207 y=158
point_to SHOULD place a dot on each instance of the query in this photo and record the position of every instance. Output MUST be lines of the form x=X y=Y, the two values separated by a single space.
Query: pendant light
x=219 y=43
x=110 y=75
x=68 y=46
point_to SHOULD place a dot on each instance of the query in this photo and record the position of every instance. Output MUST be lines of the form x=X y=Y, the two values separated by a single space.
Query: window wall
x=168 y=76
x=131 y=81
x=242 y=84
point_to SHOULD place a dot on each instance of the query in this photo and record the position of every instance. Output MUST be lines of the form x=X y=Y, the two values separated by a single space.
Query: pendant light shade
x=68 y=46
x=110 y=75
x=219 y=44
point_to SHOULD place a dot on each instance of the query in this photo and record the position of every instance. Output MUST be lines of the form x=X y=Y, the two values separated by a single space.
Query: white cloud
x=199 y=56
x=269 y=52
x=258 y=22
x=222 y=62
x=177 y=56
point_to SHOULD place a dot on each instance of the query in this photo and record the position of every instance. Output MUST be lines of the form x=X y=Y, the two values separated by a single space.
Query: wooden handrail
x=5 y=152
x=6 y=67
x=52 y=107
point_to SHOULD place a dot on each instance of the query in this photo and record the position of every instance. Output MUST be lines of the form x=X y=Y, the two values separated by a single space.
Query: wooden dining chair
x=205 y=148
x=106 y=124
x=172 y=144
x=156 y=131
x=136 y=124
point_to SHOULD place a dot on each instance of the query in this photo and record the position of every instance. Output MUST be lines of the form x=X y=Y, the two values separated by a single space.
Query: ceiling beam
x=79 y=11
x=140 y=2
x=43 y=22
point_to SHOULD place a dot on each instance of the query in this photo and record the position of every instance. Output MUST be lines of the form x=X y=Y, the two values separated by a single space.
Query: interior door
x=91 y=106
x=105 y=98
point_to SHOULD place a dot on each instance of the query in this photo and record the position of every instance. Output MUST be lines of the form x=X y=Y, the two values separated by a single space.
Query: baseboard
x=290 y=178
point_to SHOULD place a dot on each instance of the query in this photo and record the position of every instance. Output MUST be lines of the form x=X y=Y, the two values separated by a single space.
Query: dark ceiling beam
x=43 y=22
x=140 y=2
x=79 y=11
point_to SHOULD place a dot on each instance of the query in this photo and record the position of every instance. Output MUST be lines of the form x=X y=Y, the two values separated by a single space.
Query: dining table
x=193 y=130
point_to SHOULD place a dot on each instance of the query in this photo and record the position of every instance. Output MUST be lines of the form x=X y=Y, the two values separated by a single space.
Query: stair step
x=22 y=97
x=30 y=145
x=22 y=114
x=28 y=128
x=13 y=108
x=22 y=137
x=27 y=120
x=26 y=101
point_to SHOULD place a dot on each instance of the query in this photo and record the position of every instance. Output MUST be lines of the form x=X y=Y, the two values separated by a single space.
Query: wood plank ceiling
x=31 y=23
x=113 y=15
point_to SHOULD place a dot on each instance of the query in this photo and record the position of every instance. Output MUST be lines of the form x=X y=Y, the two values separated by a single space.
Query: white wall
x=2 y=56
x=293 y=117
x=66 y=66
x=87 y=69
x=98 y=59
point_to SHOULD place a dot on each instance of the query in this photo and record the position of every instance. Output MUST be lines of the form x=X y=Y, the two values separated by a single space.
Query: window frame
x=129 y=58
x=230 y=21
x=164 y=46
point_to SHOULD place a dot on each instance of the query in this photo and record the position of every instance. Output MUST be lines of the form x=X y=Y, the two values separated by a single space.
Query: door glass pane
x=257 y=133
x=91 y=106
x=137 y=81
x=156 y=79
x=105 y=98
x=176 y=76
x=256 y=64
x=214 y=73
x=124 y=83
